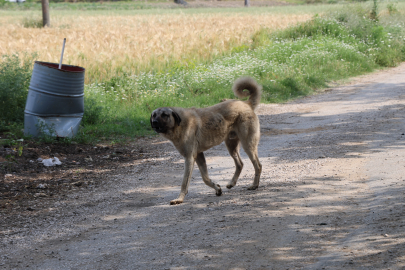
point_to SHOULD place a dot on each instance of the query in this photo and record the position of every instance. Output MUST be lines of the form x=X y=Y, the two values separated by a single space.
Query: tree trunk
x=45 y=13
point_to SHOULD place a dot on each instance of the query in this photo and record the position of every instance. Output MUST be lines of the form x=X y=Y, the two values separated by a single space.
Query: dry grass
x=107 y=45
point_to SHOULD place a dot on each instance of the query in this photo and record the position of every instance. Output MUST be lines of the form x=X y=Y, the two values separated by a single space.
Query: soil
x=332 y=194
x=26 y=178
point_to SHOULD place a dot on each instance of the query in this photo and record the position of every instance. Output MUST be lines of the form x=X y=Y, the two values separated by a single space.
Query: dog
x=195 y=130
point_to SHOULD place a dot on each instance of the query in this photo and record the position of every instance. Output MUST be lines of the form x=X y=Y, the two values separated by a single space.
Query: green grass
x=291 y=63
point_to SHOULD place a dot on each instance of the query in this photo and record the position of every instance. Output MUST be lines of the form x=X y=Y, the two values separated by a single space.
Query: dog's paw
x=252 y=187
x=176 y=201
x=218 y=192
x=229 y=186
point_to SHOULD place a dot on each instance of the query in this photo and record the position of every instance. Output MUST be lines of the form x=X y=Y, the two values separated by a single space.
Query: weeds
x=14 y=143
x=29 y=22
x=47 y=132
x=353 y=28
x=92 y=111
x=392 y=8
x=15 y=75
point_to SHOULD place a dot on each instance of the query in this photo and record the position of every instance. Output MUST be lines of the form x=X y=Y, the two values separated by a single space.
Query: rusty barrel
x=55 y=102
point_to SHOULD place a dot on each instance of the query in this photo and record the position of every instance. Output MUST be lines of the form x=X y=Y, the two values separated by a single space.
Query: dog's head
x=164 y=119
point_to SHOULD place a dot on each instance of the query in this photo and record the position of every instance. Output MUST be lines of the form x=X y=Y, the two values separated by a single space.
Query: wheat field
x=108 y=45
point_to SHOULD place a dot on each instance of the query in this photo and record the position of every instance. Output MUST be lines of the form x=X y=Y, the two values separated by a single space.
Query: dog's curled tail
x=254 y=90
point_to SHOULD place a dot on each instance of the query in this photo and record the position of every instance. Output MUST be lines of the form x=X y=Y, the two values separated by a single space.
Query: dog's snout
x=155 y=122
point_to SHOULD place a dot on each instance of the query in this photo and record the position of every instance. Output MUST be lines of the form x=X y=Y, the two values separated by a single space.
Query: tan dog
x=194 y=131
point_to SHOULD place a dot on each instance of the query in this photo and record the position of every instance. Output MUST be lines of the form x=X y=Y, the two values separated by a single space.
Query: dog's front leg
x=189 y=166
x=202 y=165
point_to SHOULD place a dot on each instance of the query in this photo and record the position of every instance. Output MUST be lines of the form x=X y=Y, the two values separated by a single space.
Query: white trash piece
x=51 y=162
x=42 y=186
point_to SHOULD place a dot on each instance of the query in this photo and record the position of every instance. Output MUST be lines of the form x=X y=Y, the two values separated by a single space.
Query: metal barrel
x=55 y=102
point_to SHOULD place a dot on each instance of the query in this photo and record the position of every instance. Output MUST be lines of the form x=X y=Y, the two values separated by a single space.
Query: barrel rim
x=65 y=68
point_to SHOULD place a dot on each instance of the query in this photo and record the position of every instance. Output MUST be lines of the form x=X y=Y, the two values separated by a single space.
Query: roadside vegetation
x=292 y=61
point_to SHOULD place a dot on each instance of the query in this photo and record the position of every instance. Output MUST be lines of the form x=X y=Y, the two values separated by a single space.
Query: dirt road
x=332 y=196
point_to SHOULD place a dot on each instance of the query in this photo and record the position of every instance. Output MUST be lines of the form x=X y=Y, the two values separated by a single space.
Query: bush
x=15 y=75
x=392 y=9
x=29 y=22
x=92 y=111
x=356 y=29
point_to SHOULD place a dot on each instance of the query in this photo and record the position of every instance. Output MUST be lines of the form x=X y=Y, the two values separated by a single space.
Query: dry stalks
x=109 y=45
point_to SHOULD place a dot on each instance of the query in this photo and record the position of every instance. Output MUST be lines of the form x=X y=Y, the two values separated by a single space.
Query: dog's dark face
x=164 y=119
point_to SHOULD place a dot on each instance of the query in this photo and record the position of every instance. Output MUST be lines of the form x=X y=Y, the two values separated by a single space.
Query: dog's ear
x=176 y=118
x=151 y=120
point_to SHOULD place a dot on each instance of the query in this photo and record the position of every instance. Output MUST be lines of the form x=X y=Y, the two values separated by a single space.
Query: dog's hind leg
x=250 y=148
x=258 y=170
x=232 y=143
x=249 y=135
x=202 y=165
x=189 y=166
